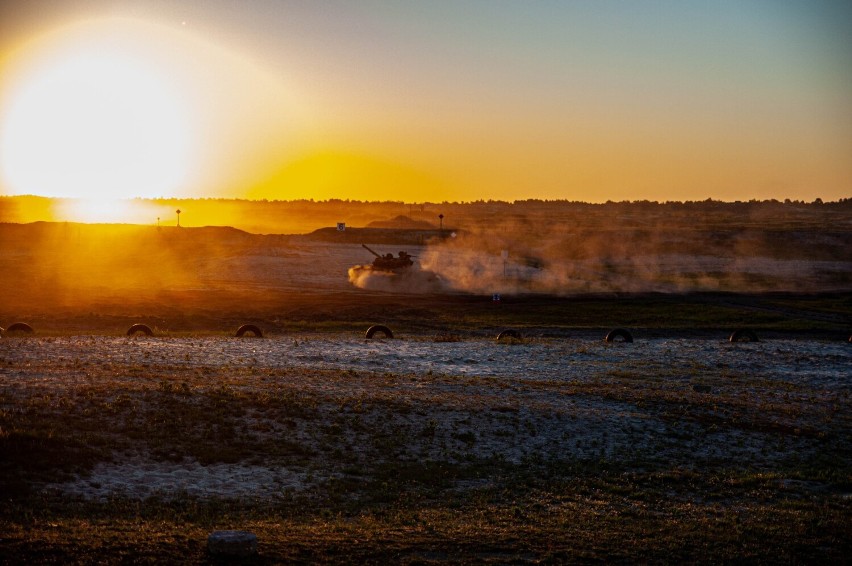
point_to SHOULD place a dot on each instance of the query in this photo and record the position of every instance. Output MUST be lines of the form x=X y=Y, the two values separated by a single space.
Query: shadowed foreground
x=133 y=450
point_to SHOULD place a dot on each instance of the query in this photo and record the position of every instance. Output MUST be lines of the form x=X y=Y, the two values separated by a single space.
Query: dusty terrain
x=514 y=402
x=441 y=445
x=425 y=449
x=98 y=278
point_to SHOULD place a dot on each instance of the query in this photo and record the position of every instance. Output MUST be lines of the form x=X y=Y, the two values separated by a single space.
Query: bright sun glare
x=95 y=123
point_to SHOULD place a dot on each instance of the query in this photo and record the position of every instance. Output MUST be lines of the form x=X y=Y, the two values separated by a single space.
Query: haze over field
x=412 y=101
x=529 y=248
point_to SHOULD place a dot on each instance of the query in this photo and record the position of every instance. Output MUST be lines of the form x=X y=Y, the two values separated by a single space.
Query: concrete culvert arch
x=143 y=328
x=619 y=335
x=743 y=335
x=242 y=330
x=379 y=328
x=509 y=333
x=20 y=327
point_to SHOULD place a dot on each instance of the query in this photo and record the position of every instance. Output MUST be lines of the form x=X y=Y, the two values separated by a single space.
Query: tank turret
x=390 y=263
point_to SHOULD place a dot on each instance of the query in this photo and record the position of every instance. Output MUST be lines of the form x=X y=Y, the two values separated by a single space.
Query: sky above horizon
x=427 y=101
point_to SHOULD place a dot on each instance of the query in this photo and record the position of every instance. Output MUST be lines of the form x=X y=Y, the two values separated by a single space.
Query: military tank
x=388 y=263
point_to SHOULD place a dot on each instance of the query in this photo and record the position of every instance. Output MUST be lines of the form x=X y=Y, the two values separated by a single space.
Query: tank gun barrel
x=369 y=250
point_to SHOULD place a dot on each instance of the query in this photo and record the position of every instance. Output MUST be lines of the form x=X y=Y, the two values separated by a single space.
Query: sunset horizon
x=446 y=102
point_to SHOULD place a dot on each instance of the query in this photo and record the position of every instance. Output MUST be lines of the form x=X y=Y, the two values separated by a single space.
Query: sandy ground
x=660 y=403
x=674 y=403
x=79 y=268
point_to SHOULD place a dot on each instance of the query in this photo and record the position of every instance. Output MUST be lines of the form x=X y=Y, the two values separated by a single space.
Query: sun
x=95 y=121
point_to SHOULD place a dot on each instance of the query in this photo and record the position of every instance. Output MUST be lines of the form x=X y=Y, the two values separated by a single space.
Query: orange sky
x=422 y=102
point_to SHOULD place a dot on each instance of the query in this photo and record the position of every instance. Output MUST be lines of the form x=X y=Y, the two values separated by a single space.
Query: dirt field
x=101 y=278
x=333 y=448
x=440 y=446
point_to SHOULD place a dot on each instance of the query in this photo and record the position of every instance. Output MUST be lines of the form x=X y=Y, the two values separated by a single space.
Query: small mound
x=379 y=328
x=401 y=223
x=619 y=335
x=143 y=328
x=509 y=333
x=255 y=330
x=743 y=335
x=232 y=544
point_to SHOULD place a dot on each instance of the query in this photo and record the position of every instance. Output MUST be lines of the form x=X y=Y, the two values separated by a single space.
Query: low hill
x=402 y=223
x=401 y=236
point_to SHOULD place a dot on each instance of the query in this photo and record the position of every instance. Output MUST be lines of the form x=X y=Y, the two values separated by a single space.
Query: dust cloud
x=520 y=258
x=544 y=248
x=69 y=265
x=413 y=280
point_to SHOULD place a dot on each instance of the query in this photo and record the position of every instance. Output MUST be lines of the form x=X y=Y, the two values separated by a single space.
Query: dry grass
x=633 y=465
